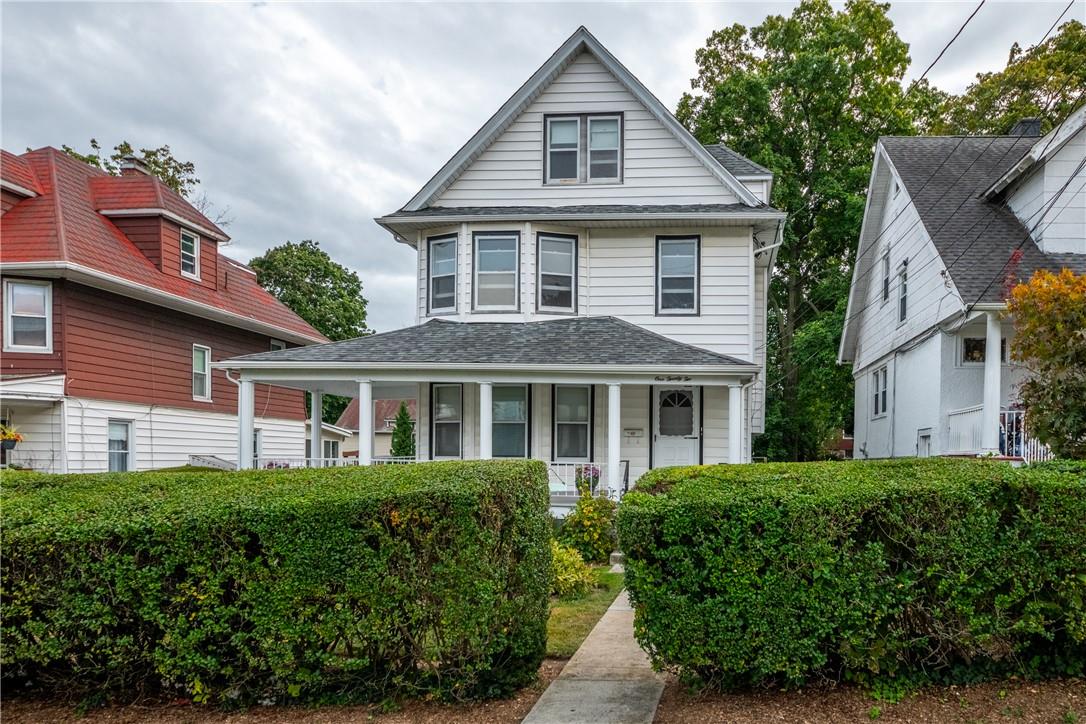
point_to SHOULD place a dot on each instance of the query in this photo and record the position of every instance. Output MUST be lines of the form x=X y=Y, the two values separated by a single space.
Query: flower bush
x=590 y=528
x=570 y=575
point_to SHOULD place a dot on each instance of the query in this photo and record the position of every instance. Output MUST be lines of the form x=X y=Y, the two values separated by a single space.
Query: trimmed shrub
x=570 y=575
x=590 y=528
x=330 y=584
x=937 y=570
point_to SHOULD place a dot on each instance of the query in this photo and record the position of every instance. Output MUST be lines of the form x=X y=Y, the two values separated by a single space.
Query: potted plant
x=9 y=437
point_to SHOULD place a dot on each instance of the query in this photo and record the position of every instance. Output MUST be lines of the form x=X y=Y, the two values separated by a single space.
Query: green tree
x=1050 y=340
x=327 y=295
x=403 y=434
x=1044 y=81
x=178 y=175
x=807 y=96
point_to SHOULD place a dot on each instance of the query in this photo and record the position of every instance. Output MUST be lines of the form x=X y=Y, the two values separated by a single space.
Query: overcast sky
x=309 y=120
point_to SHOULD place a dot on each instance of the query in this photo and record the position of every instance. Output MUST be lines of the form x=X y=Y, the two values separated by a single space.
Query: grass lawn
x=572 y=619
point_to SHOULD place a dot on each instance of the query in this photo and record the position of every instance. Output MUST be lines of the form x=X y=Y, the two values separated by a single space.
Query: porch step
x=618 y=559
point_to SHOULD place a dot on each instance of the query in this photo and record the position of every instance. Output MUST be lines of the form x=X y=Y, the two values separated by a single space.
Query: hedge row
x=309 y=585
x=929 y=570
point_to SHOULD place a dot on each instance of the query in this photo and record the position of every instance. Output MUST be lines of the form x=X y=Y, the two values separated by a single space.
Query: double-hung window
x=201 y=372
x=572 y=422
x=604 y=145
x=442 y=255
x=886 y=277
x=28 y=316
x=556 y=277
x=497 y=271
x=510 y=421
x=563 y=150
x=582 y=148
x=190 y=254
x=120 y=446
x=447 y=413
x=903 y=291
x=677 y=274
x=878 y=386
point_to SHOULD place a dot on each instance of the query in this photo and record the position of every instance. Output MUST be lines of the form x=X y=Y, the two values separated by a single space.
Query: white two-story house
x=952 y=222
x=591 y=290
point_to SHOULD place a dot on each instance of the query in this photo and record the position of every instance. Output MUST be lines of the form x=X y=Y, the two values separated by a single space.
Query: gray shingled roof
x=570 y=341
x=976 y=238
x=737 y=164
x=583 y=209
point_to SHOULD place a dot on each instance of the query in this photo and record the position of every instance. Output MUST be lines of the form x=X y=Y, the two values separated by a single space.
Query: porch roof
x=568 y=342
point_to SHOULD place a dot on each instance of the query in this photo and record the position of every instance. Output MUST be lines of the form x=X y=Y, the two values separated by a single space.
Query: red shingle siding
x=146 y=233
x=23 y=363
x=119 y=349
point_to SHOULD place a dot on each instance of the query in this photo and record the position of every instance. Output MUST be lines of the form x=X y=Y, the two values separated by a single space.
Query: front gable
x=503 y=164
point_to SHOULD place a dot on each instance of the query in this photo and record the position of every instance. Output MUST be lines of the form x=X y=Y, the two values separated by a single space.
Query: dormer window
x=190 y=254
x=598 y=135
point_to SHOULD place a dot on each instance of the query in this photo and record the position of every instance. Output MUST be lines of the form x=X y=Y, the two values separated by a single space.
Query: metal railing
x=570 y=478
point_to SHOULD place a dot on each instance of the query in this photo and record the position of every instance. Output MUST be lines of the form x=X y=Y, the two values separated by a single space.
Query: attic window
x=598 y=135
x=190 y=254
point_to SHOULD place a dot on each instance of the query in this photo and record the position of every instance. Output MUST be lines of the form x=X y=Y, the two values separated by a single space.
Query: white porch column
x=989 y=436
x=735 y=424
x=614 y=436
x=365 y=422
x=316 y=412
x=245 y=424
x=486 y=420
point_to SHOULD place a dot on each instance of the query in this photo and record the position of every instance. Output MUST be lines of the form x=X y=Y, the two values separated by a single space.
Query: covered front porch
x=598 y=419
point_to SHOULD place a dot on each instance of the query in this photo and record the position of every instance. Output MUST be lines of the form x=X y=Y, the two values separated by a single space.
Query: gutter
x=241 y=363
x=581 y=216
x=109 y=282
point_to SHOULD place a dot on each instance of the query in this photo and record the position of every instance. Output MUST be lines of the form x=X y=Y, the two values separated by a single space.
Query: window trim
x=881 y=394
x=527 y=421
x=276 y=345
x=617 y=178
x=130 y=439
x=591 y=424
x=433 y=420
x=658 y=292
x=575 y=243
x=325 y=445
x=885 y=278
x=430 y=241
x=1004 y=351
x=475 y=236
x=195 y=275
x=258 y=443
x=903 y=292
x=207 y=359
x=9 y=309
x=547 y=120
x=583 y=165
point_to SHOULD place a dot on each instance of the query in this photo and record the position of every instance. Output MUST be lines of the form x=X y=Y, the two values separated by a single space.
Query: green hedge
x=928 y=570
x=308 y=585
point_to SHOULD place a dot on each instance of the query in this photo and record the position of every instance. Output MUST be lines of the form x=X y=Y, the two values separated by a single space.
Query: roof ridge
x=62 y=236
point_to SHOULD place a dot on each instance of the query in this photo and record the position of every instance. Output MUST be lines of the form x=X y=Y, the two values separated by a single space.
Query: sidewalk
x=608 y=681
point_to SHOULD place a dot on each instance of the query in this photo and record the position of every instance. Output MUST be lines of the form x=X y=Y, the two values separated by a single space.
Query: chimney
x=1027 y=128
x=132 y=166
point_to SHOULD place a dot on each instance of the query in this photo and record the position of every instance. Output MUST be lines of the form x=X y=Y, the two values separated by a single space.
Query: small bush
x=926 y=570
x=590 y=528
x=307 y=585
x=570 y=575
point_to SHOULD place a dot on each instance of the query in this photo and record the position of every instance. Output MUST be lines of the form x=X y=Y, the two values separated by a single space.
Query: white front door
x=675 y=433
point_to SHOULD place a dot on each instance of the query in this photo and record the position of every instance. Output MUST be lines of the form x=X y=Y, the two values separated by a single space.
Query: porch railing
x=966 y=428
x=280 y=462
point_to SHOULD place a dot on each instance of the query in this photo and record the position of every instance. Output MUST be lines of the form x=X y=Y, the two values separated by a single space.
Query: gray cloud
x=309 y=120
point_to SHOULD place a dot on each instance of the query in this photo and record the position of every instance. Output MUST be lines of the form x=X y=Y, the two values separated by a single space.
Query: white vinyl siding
x=190 y=254
x=656 y=167
x=28 y=316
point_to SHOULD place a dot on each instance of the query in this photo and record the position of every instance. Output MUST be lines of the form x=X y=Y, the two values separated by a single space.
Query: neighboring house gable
x=503 y=163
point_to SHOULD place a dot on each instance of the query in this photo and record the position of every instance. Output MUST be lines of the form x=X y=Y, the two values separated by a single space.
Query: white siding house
x=591 y=289
x=950 y=224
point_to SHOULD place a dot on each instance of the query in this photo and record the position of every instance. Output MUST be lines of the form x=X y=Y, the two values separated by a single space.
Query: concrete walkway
x=608 y=681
